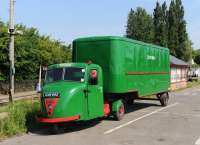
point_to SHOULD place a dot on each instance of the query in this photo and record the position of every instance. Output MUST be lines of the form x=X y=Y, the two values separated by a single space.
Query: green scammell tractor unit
x=106 y=74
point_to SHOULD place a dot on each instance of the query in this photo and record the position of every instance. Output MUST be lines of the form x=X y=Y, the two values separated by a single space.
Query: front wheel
x=164 y=99
x=119 y=114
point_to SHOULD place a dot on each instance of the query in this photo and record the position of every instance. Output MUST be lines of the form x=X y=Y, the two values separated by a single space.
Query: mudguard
x=116 y=105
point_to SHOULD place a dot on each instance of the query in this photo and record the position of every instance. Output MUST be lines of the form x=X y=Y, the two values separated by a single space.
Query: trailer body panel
x=128 y=65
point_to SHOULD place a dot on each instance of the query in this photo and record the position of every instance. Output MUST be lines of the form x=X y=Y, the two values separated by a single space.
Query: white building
x=179 y=71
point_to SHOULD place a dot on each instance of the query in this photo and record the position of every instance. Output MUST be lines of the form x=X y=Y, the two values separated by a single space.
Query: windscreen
x=54 y=75
x=74 y=74
x=69 y=73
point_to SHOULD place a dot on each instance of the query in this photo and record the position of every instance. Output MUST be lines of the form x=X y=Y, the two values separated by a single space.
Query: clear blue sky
x=69 y=19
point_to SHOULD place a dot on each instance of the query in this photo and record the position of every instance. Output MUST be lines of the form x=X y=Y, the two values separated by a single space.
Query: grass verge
x=3 y=108
x=21 y=117
x=189 y=85
x=193 y=84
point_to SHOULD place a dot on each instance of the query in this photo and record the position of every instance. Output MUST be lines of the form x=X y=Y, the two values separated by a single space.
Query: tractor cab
x=72 y=91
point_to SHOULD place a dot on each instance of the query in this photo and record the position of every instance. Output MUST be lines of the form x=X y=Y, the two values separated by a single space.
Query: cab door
x=95 y=94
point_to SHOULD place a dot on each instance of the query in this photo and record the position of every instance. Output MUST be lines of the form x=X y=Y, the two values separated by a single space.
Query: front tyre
x=119 y=114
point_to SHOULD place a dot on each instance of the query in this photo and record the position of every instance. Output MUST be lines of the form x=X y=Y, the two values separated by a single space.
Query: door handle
x=86 y=91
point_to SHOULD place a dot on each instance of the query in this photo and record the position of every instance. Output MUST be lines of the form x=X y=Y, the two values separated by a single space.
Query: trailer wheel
x=120 y=113
x=164 y=99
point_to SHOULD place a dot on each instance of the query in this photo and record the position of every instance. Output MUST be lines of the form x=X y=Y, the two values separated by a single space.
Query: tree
x=188 y=51
x=160 y=24
x=140 y=25
x=173 y=29
x=178 y=38
x=31 y=51
x=197 y=56
x=4 y=62
x=182 y=33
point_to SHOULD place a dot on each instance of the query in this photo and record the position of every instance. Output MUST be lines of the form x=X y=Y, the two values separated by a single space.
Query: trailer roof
x=106 y=38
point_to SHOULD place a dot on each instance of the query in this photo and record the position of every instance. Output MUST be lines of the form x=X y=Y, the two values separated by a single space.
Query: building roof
x=176 y=61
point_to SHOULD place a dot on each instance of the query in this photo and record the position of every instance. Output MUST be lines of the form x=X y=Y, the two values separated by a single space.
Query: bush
x=19 y=118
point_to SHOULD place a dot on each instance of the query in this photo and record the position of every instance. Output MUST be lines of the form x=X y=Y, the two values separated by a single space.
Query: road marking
x=144 y=116
x=197 y=142
x=182 y=115
x=186 y=93
x=193 y=94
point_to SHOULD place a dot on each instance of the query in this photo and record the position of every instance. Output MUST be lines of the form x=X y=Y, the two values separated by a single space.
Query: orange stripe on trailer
x=144 y=73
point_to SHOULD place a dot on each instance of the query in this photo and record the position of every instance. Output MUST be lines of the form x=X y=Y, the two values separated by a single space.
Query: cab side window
x=93 y=77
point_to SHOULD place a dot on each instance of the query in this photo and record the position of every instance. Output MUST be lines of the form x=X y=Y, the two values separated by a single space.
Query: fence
x=20 y=86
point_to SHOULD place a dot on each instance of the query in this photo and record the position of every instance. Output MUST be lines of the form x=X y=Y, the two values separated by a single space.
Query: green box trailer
x=127 y=65
x=106 y=74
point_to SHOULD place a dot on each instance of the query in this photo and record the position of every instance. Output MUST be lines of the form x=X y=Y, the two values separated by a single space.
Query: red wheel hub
x=121 y=109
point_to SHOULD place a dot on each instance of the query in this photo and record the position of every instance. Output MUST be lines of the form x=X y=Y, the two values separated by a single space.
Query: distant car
x=193 y=74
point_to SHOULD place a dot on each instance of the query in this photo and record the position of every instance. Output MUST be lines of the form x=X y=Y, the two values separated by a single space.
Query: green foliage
x=178 y=38
x=31 y=51
x=140 y=25
x=3 y=50
x=3 y=108
x=16 y=122
x=197 y=56
x=173 y=26
x=193 y=84
x=187 y=56
x=160 y=25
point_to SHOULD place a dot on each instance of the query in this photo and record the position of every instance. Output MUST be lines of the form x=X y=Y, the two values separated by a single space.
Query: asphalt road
x=146 y=123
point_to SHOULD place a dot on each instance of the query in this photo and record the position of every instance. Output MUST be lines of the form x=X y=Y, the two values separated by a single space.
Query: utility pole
x=39 y=80
x=11 y=51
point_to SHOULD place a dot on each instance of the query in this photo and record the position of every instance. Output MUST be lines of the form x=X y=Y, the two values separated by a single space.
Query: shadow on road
x=139 y=105
x=49 y=129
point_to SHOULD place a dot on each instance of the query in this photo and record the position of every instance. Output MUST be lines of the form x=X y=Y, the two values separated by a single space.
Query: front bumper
x=57 y=120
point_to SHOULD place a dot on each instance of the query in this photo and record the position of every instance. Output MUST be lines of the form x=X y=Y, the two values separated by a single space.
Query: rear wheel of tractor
x=164 y=99
x=120 y=113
